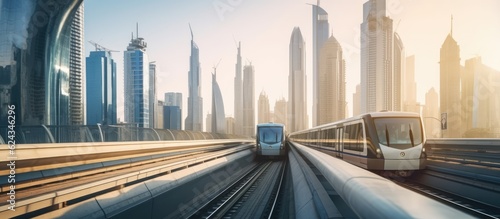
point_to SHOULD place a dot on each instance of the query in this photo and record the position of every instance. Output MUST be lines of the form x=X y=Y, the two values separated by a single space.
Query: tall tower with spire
x=137 y=83
x=238 y=94
x=218 y=114
x=194 y=119
x=449 y=91
x=297 y=90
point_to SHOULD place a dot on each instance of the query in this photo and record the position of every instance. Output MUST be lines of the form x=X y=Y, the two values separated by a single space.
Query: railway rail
x=255 y=193
x=469 y=206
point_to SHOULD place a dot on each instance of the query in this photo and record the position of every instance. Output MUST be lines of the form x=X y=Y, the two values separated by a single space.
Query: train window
x=332 y=137
x=352 y=137
x=270 y=134
x=399 y=133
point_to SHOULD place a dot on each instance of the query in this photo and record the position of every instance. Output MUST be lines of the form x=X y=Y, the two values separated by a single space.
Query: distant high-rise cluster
x=468 y=95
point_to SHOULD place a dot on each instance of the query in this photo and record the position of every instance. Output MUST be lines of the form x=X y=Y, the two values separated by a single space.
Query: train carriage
x=376 y=141
x=270 y=140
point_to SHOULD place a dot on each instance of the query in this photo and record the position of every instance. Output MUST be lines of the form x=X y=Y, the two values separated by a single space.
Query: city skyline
x=344 y=18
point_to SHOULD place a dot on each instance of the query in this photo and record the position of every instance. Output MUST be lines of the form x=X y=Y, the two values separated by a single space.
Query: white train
x=270 y=140
x=375 y=141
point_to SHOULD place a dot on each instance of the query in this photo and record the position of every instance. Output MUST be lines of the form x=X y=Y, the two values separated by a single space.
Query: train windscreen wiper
x=387 y=136
x=411 y=136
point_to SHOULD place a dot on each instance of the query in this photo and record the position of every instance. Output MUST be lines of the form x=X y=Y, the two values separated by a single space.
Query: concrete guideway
x=372 y=196
x=59 y=197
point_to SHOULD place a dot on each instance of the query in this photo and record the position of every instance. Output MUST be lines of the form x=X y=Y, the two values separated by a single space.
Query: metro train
x=380 y=141
x=270 y=140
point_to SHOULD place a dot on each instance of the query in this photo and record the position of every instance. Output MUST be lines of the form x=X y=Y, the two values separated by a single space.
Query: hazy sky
x=264 y=29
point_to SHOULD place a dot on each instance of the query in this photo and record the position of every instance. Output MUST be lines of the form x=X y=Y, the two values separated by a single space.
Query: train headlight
x=258 y=145
x=423 y=149
x=281 y=146
x=379 y=155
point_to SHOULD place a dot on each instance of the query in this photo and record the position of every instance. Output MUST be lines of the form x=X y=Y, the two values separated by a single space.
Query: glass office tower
x=35 y=60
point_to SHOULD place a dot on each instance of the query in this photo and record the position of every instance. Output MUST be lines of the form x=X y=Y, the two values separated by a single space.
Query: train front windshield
x=399 y=133
x=270 y=135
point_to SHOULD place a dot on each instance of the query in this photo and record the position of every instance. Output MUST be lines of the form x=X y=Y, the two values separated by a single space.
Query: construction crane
x=101 y=48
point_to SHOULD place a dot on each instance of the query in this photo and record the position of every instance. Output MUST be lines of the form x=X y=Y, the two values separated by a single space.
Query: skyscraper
x=331 y=83
x=281 y=111
x=238 y=95
x=173 y=99
x=480 y=98
x=248 y=100
x=77 y=69
x=194 y=119
x=320 y=35
x=34 y=68
x=158 y=124
x=399 y=59
x=356 y=101
x=152 y=93
x=218 y=114
x=172 y=116
x=230 y=125
x=264 y=114
x=410 y=87
x=101 y=88
x=376 y=58
x=137 y=82
x=297 y=101
x=431 y=115
x=449 y=90
x=208 y=123
x=172 y=111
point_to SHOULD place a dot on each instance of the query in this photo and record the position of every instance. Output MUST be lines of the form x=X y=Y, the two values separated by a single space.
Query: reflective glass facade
x=172 y=117
x=34 y=60
x=101 y=88
x=137 y=82
x=218 y=114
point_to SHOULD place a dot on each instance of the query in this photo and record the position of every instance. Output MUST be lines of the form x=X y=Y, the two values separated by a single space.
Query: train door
x=340 y=142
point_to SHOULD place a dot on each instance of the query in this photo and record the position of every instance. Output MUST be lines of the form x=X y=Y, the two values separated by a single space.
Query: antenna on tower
x=397 y=25
x=192 y=37
x=215 y=67
x=137 y=29
x=235 y=41
x=451 y=31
